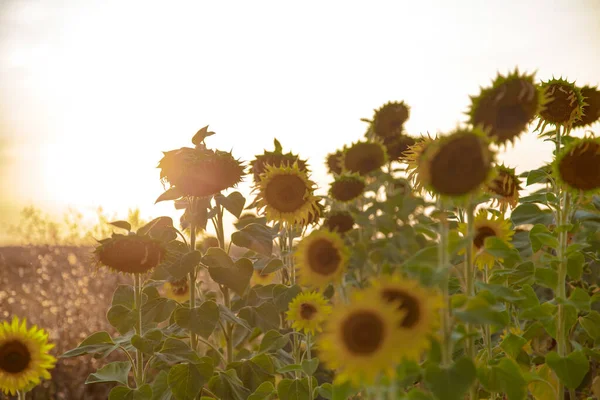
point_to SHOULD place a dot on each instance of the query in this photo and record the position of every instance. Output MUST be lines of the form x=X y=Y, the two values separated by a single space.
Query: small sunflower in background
x=412 y=157
x=456 y=165
x=264 y=279
x=334 y=162
x=591 y=107
x=200 y=172
x=389 y=119
x=308 y=311
x=419 y=308
x=397 y=145
x=505 y=109
x=339 y=221
x=178 y=290
x=24 y=356
x=347 y=187
x=133 y=253
x=577 y=165
x=564 y=104
x=485 y=227
x=364 y=157
x=286 y=194
x=504 y=187
x=360 y=339
x=321 y=258
x=276 y=158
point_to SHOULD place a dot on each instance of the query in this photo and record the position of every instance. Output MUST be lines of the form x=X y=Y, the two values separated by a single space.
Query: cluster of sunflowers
x=421 y=275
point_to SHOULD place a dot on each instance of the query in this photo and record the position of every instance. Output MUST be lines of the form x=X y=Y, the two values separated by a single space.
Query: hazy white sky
x=91 y=92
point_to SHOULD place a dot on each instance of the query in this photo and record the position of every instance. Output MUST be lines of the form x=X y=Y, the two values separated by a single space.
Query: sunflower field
x=428 y=271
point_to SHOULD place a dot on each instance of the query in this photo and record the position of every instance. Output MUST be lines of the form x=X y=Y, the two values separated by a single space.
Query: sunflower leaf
x=570 y=369
x=113 y=372
x=172 y=193
x=200 y=320
x=186 y=380
x=125 y=393
x=121 y=224
x=256 y=237
x=450 y=383
x=234 y=203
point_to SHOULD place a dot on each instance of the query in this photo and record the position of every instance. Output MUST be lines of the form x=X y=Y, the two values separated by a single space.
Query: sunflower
x=24 y=356
x=275 y=158
x=308 y=311
x=396 y=145
x=591 y=108
x=334 y=162
x=135 y=254
x=360 y=339
x=564 y=106
x=321 y=258
x=389 y=119
x=578 y=165
x=364 y=157
x=419 y=308
x=178 y=291
x=339 y=221
x=504 y=187
x=260 y=278
x=412 y=157
x=506 y=108
x=315 y=216
x=347 y=187
x=485 y=227
x=456 y=165
x=200 y=172
x=286 y=194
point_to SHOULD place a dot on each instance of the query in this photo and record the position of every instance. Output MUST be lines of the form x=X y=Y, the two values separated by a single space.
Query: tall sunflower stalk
x=192 y=277
x=470 y=286
x=139 y=356
x=443 y=261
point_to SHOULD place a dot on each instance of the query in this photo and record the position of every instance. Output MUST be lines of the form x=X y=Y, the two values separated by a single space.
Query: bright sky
x=91 y=92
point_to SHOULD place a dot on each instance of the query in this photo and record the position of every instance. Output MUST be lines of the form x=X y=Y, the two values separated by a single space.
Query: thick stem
x=192 y=283
x=226 y=296
x=290 y=229
x=446 y=317
x=21 y=395
x=308 y=357
x=470 y=287
x=139 y=356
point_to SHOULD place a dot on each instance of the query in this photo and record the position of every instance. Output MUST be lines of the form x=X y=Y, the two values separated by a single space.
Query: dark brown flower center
x=460 y=166
x=389 y=120
x=14 y=357
x=347 y=189
x=323 y=257
x=591 y=110
x=562 y=105
x=131 y=254
x=334 y=162
x=580 y=169
x=407 y=303
x=307 y=311
x=397 y=145
x=481 y=234
x=363 y=332
x=364 y=158
x=341 y=222
x=286 y=193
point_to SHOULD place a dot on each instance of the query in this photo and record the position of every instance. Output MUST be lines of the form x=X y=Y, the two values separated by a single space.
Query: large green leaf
x=591 y=324
x=126 y=393
x=160 y=386
x=265 y=316
x=256 y=237
x=113 y=372
x=265 y=391
x=570 y=369
x=255 y=371
x=200 y=320
x=122 y=318
x=236 y=276
x=97 y=342
x=479 y=310
x=504 y=377
x=228 y=386
x=186 y=380
x=149 y=343
x=234 y=203
x=530 y=214
x=178 y=350
x=293 y=389
x=450 y=383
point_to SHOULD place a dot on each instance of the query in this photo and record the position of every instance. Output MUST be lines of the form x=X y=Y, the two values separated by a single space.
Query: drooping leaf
x=126 y=393
x=121 y=224
x=201 y=320
x=256 y=237
x=450 y=383
x=97 y=342
x=234 y=203
x=570 y=369
x=186 y=380
x=113 y=372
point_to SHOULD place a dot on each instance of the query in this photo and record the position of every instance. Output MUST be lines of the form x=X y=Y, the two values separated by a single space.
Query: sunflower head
x=412 y=157
x=577 y=166
x=339 y=221
x=24 y=356
x=200 y=172
x=504 y=187
x=360 y=339
x=390 y=118
x=308 y=311
x=286 y=194
x=456 y=165
x=133 y=253
x=505 y=109
x=564 y=104
x=347 y=187
x=485 y=227
x=334 y=162
x=419 y=307
x=396 y=145
x=591 y=107
x=275 y=158
x=178 y=290
x=364 y=157
x=321 y=259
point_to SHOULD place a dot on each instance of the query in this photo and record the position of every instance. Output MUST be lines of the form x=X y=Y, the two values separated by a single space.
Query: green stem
x=21 y=395
x=446 y=317
x=192 y=284
x=308 y=357
x=139 y=356
x=290 y=229
x=470 y=287
x=226 y=296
